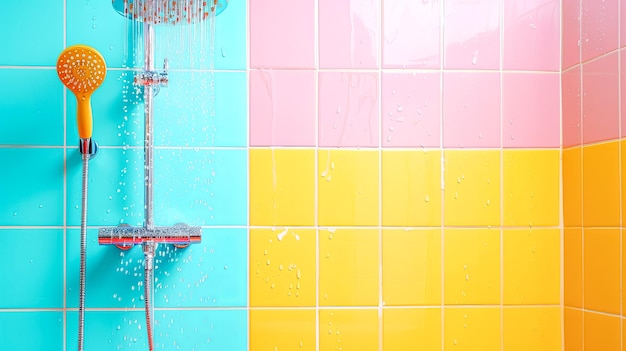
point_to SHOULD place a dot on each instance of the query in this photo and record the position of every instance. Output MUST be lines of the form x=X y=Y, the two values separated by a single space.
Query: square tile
x=411 y=329
x=471 y=109
x=201 y=187
x=31 y=186
x=282 y=187
x=599 y=27
x=573 y=329
x=349 y=34
x=278 y=40
x=33 y=115
x=41 y=330
x=411 y=267
x=411 y=111
x=348 y=187
x=572 y=187
x=475 y=43
x=601 y=99
x=573 y=267
x=570 y=33
x=348 y=109
x=284 y=329
x=354 y=329
x=601 y=331
x=282 y=267
x=601 y=270
x=411 y=188
x=471 y=269
x=600 y=178
x=282 y=108
x=532 y=199
x=531 y=27
x=532 y=266
x=348 y=253
x=231 y=30
x=529 y=100
x=532 y=328
x=472 y=188
x=471 y=329
x=411 y=32
x=20 y=29
x=35 y=272
x=571 y=107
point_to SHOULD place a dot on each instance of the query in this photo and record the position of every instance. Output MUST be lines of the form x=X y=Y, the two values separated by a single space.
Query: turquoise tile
x=114 y=278
x=200 y=187
x=186 y=116
x=201 y=330
x=210 y=274
x=33 y=115
x=95 y=23
x=34 y=271
x=115 y=188
x=230 y=36
x=31 y=185
x=32 y=34
x=117 y=112
x=109 y=330
x=31 y=331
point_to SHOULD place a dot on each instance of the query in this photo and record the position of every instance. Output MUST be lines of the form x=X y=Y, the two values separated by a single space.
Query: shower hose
x=83 y=251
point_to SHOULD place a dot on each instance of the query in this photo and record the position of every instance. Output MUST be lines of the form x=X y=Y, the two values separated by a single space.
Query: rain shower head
x=169 y=11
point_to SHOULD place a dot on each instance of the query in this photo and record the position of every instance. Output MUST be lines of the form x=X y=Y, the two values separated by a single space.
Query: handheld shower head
x=82 y=70
x=169 y=11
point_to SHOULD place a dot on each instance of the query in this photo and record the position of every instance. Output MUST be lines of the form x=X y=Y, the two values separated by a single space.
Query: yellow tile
x=573 y=269
x=282 y=267
x=602 y=270
x=601 y=185
x=282 y=187
x=348 y=271
x=531 y=187
x=286 y=329
x=572 y=187
x=411 y=188
x=471 y=266
x=532 y=268
x=573 y=329
x=471 y=329
x=623 y=232
x=532 y=328
x=411 y=267
x=601 y=332
x=472 y=187
x=412 y=329
x=348 y=187
x=353 y=329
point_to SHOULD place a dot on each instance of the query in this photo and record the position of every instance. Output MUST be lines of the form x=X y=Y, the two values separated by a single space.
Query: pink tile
x=411 y=110
x=349 y=33
x=600 y=99
x=282 y=108
x=622 y=22
x=411 y=34
x=599 y=28
x=531 y=110
x=622 y=79
x=570 y=86
x=571 y=33
x=472 y=34
x=282 y=34
x=532 y=35
x=348 y=109
x=471 y=109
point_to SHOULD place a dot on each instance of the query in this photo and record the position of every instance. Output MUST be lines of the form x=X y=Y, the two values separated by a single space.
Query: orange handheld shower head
x=82 y=70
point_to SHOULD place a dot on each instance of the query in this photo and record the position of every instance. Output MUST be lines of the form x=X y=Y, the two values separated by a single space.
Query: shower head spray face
x=82 y=70
x=169 y=11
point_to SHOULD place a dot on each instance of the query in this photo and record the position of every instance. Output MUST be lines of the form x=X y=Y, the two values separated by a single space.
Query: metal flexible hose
x=149 y=250
x=83 y=252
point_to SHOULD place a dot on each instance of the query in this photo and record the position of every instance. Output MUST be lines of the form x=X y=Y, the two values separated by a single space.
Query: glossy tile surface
x=472 y=329
x=599 y=27
x=601 y=205
x=600 y=99
x=532 y=328
x=601 y=270
x=573 y=267
x=282 y=329
x=418 y=329
x=572 y=187
x=353 y=329
x=571 y=107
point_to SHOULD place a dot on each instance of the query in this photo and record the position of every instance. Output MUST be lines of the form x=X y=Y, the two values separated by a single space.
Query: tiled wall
x=374 y=178
x=593 y=173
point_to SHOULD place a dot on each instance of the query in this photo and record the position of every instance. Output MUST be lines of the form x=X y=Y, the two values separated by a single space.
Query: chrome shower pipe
x=149 y=89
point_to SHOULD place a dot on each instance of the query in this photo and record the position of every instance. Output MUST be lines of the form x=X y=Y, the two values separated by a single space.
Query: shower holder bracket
x=88 y=146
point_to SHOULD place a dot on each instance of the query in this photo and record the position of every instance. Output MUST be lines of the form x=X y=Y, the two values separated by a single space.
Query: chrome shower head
x=169 y=12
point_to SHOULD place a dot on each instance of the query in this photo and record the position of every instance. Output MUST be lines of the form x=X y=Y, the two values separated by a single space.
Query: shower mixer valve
x=153 y=78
